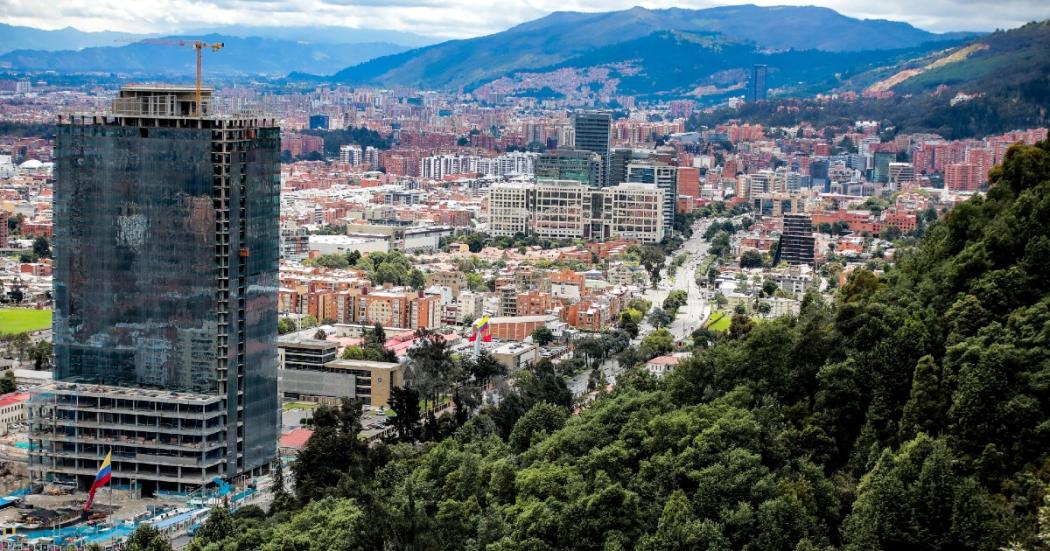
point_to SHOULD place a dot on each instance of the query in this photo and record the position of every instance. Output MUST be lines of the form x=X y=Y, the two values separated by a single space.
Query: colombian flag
x=481 y=328
x=101 y=479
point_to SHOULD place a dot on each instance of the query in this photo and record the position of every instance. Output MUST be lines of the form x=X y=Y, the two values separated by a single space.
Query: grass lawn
x=300 y=405
x=18 y=320
x=719 y=322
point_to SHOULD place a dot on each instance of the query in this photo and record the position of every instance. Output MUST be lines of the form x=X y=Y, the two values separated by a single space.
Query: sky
x=463 y=18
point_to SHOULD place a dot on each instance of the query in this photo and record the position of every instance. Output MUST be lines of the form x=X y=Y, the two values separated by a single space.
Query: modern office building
x=900 y=173
x=881 y=171
x=319 y=122
x=618 y=160
x=593 y=132
x=796 y=242
x=165 y=285
x=558 y=209
x=570 y=210
x=756 y=84
x=665 y=177
x=570 y=164
x=367 y=381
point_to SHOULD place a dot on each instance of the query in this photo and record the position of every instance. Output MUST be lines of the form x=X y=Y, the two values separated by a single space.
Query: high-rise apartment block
x=797 y=241
x=962 y=177
x=756 y=84
x=165 y=285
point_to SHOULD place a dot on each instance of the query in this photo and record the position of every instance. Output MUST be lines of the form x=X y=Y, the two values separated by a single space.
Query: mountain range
x=14 y=37
x=567 y=38
x=240 y=57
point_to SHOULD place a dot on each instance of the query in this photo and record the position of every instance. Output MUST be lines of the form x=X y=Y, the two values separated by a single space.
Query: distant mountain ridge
x=240 y=57
x=13 y=37
x=562 y=36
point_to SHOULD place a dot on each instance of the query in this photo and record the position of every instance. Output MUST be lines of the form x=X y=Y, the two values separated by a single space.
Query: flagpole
x=110 y=516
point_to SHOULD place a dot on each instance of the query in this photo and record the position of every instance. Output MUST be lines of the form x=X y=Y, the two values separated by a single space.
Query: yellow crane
x=199 y=46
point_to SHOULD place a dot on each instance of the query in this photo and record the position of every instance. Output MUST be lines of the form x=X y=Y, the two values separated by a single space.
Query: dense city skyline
x=745 y=278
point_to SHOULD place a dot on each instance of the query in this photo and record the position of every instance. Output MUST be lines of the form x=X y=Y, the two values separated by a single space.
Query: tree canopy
x=908 y=413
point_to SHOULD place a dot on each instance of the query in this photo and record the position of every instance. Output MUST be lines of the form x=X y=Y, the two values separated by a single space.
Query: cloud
x=462 y=18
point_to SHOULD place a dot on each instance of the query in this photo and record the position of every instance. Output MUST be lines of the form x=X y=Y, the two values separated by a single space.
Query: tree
x=353 y=257
x=542 y=419
x=656 y=343
x=147 y=538
x=720 y=245
x=282 y=500
x=378 y=334
x=679 y=529
x=217 y=527
x=484 y=368
x=751 y=259
x=431 y=370
x=335 y=460
x=925 y=408
x=330 y=524
x=416 y=279
x=7 y=382
x=331 y=261
x=542 y=336
x=675 y=300
x=41 y=247
x=320 y=335
x=890 y=233
x=41 y=353
x=405 y=403
x=628 y=323
x=285 y=325
x=652 y=258
x=658 y=318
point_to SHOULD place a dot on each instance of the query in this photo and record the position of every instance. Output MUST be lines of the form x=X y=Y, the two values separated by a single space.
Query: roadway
x=690 y=316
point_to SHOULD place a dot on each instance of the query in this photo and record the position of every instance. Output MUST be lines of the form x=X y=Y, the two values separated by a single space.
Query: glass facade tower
x=593 y=132
x=165 y=272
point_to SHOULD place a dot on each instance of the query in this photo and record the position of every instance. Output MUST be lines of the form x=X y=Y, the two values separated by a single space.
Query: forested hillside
x=910 y=413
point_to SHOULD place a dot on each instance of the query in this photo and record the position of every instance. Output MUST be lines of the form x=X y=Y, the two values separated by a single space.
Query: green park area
x=719 y=322
x=300 y=405
x=20 y=320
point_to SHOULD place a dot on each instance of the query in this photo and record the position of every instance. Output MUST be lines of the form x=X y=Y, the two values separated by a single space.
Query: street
x=690 y=316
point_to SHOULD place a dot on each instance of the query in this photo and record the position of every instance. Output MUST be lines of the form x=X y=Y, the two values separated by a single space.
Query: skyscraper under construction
x=165 y=286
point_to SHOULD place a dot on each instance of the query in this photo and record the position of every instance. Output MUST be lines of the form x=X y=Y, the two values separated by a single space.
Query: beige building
x=509 y=209
x=634 y=211
x=557 y=209
x=565 y=209
x=370 y=382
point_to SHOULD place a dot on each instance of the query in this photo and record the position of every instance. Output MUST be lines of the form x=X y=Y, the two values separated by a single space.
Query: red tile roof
x=296 y=438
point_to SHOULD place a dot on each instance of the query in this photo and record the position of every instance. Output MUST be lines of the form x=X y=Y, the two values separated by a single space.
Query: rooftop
x=64 y=387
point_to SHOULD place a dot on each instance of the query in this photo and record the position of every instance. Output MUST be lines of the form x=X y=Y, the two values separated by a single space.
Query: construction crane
x=199 y=46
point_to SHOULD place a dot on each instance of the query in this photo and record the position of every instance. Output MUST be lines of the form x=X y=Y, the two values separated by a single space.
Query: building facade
x=797 y=241
x=571 y=210
x=165 y=285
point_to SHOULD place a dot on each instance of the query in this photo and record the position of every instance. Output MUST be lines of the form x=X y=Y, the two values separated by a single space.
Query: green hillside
x=909 y=413
x=562 y=36
x=1009 y=78
x=675 y=63
x=1011 y=58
